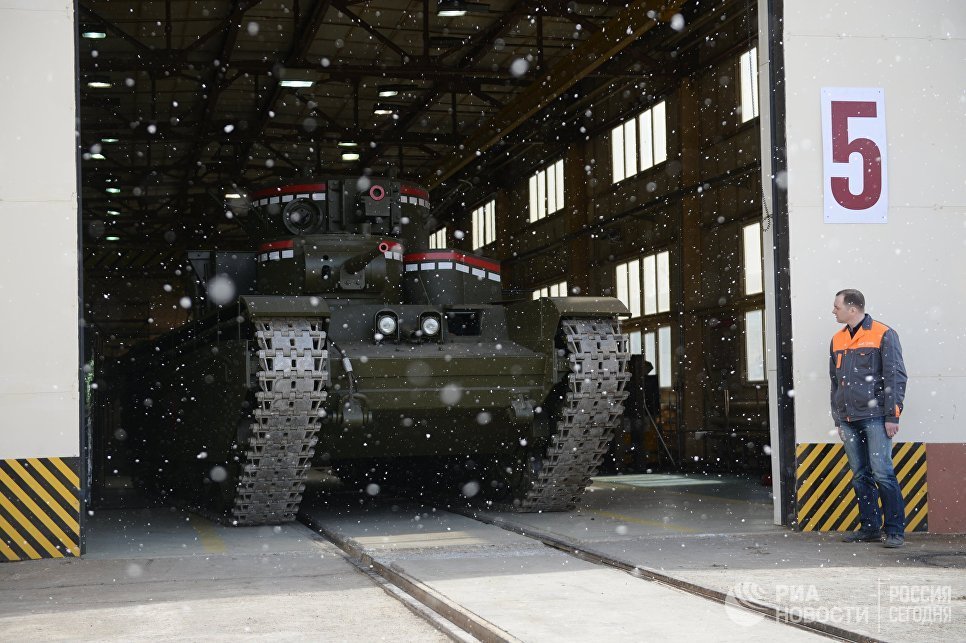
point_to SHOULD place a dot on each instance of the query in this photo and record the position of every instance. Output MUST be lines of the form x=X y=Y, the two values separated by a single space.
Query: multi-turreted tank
x=343 y=340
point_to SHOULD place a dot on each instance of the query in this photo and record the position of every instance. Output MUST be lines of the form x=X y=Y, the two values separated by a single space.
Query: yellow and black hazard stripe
x=826 y=499
x=39 y=508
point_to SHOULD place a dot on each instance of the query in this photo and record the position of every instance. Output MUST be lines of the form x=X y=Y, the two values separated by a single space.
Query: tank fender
x=588 y=306
x=534 y=323
x=285 y=306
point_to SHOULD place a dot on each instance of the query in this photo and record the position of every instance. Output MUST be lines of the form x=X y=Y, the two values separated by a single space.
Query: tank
x=342 y=340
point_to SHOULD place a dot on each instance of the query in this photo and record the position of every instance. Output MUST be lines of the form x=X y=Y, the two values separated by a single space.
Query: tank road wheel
x=292 y=378
x=585 y=408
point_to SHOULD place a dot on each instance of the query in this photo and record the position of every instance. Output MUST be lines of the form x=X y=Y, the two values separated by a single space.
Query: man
x=868 y=386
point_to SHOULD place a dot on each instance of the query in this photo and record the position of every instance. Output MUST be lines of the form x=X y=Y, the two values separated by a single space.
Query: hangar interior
x=594 y=148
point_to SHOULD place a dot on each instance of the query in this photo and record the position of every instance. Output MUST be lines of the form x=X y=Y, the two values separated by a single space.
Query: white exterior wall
x=912 y=270
x=38 y=248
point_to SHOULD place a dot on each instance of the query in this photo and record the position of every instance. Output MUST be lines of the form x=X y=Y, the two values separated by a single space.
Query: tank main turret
x=341 y=237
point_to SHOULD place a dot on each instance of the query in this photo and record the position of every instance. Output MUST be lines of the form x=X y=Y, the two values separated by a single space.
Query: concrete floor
x=164 y=574
x=160 y=574
x=718 y=532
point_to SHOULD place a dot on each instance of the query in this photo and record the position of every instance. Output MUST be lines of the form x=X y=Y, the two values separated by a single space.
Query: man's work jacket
x=867 y=373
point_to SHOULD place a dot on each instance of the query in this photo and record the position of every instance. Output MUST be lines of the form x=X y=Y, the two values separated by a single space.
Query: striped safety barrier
x=826 y=499
x=39 y=508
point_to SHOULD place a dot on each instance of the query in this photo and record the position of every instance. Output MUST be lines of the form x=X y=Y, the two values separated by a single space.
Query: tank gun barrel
x=359 y=262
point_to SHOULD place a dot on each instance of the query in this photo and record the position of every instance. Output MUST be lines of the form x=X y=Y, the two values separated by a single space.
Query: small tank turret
x=359 y=262
x=357 y=347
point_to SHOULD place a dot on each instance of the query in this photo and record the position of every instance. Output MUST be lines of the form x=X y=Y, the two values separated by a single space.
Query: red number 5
x=842 y=149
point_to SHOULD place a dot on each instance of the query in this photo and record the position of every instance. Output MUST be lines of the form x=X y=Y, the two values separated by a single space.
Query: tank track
x=293 y=376
x=598 y=358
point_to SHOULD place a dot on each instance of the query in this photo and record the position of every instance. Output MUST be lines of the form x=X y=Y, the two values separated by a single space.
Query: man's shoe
x=893 y=541
x=861 y=537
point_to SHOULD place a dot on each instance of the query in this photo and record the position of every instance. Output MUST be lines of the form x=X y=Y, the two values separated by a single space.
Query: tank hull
x=358 y=347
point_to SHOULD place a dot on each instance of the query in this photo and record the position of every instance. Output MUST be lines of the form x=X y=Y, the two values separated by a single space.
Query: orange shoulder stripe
x=843 y=341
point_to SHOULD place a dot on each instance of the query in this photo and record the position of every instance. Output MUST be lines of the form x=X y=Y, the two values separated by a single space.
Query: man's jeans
x=870 y=457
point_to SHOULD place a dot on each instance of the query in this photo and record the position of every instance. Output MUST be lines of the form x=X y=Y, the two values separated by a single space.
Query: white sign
x=854 y=155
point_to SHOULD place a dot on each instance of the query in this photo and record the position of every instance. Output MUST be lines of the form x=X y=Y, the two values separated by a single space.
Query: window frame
x=546 y=189
x=657 y=352
x=626 y=155
x=745 y=362
x=745 y=260
x=654 y=267
x=560 y=287
x=748 y=84
x=435 y=237
x=484 y=224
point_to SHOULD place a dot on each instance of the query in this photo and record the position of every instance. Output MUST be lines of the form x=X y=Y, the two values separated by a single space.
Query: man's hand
x=891 y=428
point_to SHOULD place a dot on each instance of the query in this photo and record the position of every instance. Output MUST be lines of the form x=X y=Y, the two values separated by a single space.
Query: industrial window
x=635 y=341
x=748 y=73
x=437 y=240
x=639 y=143
x=657 y=351
x=751 y=258
x=546 y=191
x=484 y=225
x=754 y=346
x=553 y=290
x=644 y=285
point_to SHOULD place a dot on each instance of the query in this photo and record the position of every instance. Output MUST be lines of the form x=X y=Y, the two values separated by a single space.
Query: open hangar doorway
x=184 y=105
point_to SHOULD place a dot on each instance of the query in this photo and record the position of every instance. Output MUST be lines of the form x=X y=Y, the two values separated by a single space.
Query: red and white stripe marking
x=284 y=194
x=445 y=260
x=278 y=250
x=413 y=195
x=317 y=192
x=393 y=251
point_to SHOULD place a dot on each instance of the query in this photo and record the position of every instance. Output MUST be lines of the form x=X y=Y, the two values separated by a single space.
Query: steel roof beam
x=215 y=84
x=375 y=33
x=113 y=28
x=300 y=45
x=156 y=63
x=617 y=34
x=482 y=42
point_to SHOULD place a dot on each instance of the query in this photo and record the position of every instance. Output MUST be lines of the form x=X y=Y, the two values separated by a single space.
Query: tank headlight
x=386 y=325
x=430 y=326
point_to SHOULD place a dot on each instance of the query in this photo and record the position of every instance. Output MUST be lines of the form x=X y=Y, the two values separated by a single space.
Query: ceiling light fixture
x=113 y=190
x=94 y=35
x=233 y=195
x=97 y=156
x=296 y=83
x=347 y=144
x=457 y=8
x=112 y=238
x=99 y=83
x=384 y=109
x=388 y=91
x=350 y=156
x=108 y=140
x=114 y=213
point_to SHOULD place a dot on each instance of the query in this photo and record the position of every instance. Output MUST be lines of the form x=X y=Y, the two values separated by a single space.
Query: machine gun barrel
x=359 y=262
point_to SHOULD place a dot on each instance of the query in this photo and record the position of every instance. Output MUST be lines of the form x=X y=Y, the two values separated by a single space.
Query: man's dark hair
x=852 y=297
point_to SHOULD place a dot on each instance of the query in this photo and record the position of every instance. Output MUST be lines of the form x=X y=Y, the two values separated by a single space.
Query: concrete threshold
x=529 y=591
